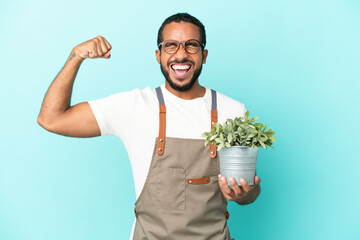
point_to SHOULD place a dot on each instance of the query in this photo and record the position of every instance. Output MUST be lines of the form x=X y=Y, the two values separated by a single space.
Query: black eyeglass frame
x=183 y=43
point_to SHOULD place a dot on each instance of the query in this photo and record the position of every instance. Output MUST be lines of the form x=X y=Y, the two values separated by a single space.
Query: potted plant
x=238 y=141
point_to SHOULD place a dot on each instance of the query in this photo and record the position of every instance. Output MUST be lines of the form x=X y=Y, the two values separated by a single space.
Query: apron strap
x=162 y=122
x=214 y=119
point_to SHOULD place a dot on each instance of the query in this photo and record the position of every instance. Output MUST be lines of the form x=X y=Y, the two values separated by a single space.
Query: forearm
x=251 y=197
x=57 y=98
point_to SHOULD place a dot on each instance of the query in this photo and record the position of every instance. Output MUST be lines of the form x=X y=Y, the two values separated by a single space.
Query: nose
x=181 y=51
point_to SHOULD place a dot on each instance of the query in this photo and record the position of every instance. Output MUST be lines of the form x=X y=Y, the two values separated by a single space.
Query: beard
x=181 y=88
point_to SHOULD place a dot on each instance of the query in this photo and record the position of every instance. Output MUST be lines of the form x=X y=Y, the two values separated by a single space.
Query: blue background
x=295 y=64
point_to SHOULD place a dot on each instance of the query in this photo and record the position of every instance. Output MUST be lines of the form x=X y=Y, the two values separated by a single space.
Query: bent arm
x=56 y=114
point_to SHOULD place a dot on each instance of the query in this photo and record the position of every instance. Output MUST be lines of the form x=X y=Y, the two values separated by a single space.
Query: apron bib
x=181 y=198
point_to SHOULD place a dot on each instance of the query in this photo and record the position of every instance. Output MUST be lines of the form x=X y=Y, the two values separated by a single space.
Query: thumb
x=257 y=180
x=107 y=54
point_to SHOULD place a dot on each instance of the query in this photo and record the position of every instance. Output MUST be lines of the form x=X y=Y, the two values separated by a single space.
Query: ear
x=205 y=54
x=157 y=53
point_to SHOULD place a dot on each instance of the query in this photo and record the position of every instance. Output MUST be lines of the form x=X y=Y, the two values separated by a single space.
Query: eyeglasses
x=172 y=46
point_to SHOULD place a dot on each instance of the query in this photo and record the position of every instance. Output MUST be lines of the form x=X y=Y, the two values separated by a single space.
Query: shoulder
x=116 y=111
x=124 y=103
x=129 y=97
x=135 y=93
x=229 y=107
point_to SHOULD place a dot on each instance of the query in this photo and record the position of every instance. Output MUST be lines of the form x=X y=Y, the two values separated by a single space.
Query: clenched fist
x=97 y=47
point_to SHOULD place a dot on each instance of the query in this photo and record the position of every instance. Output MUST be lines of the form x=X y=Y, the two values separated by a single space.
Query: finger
x=224 y=187
x=107 y=44
x=98 y=46
x=107 y=55
x=235 y=187
x=227 y=196
x=257 y=180
x=245 y=185
x=104 y=48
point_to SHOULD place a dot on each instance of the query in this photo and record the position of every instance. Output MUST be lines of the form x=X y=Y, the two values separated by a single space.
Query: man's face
x=181 y=69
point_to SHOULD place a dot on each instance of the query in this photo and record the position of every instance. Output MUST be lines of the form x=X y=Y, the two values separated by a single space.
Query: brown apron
x=181 y=198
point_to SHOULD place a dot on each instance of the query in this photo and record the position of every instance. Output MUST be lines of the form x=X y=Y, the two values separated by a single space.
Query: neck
x=195 y=91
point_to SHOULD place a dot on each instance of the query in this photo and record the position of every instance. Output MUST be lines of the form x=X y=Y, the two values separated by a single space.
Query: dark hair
x=182 y=17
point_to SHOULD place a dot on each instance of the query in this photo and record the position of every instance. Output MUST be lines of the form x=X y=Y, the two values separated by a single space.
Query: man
x=180 y=194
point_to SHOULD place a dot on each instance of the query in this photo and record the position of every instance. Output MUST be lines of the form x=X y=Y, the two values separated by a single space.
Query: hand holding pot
x=243 y=194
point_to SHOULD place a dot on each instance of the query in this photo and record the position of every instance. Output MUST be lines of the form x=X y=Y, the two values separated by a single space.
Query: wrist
x=75 y=55
x=74 y=58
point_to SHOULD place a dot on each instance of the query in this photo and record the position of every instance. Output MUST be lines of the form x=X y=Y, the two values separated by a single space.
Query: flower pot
x=238 y=162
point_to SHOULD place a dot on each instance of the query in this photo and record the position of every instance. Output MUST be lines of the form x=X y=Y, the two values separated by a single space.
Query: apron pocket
x=170 y=189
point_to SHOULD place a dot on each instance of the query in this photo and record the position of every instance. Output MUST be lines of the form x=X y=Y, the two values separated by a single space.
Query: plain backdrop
x=295 y=64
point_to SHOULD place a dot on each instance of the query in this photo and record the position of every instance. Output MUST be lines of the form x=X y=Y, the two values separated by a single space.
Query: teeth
x=180 y=66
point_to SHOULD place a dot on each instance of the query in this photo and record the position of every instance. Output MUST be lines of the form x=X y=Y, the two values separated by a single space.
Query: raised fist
x=97 y=47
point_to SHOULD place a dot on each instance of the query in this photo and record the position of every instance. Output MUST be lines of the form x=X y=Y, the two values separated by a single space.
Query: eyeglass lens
x=191 y=46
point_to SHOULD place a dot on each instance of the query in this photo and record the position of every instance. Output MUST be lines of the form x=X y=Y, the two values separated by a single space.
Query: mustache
x=184 y=60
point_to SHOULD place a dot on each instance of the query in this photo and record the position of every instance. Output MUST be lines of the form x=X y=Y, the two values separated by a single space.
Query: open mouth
x=180 y=70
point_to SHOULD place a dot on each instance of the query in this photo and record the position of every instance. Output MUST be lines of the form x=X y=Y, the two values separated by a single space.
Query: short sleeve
x=242 y=109
x=229 y=108
x=112 y=111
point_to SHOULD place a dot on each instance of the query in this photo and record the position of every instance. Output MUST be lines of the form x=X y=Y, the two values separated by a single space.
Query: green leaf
x=240 y=131
x=253 y=134
x=220 y=146
x=258 y=126
x=269 y=131
x=217 y=127
x=254 y=119
x=222 y=136
x=247 y=114
x=230 y=137
x=213 y=137
x=227 y=144
x=230 y=120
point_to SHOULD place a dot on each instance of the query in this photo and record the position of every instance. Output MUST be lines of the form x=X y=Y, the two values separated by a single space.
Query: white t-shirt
x=134 y=117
